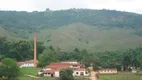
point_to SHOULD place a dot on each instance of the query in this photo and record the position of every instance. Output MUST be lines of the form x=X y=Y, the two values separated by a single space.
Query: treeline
x=23 y=50
x=18 y=50
x=122 y=60
x=27 y=22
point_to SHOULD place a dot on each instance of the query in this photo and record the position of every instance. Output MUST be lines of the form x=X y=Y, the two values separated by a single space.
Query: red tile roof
x=58 y=66
x=79 y=69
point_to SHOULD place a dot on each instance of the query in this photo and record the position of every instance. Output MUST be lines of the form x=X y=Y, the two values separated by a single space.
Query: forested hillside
x=94 y=30
x=32 y=21
x=106 y=38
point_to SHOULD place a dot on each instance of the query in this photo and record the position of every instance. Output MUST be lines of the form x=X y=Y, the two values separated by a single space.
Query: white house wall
x=57 y=74
x=79 y=73
x=47 y=75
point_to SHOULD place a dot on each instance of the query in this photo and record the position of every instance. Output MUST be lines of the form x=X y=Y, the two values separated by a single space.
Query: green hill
x=5 y=33
x=93 y=38
x=95 y=30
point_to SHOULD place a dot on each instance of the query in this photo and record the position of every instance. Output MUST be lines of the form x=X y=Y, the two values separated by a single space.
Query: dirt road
x=93 y=75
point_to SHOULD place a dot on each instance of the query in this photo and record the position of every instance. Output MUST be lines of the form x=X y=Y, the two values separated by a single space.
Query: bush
x=66 y=74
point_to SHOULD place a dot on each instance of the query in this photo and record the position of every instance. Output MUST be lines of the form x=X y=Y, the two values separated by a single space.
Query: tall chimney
x=35 y=60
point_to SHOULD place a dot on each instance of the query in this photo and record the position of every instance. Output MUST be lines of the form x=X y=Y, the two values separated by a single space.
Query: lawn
x=30 y=71
x=25 y=77
x=121 y=77
x=33 y=71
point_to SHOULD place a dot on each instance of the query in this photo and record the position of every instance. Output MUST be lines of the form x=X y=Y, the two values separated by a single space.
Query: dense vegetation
x=66 y=74
x=79 y=35
x=94 y=30
x=23 y=22
x=20 y=51
x=9 y=69
x=23 y=50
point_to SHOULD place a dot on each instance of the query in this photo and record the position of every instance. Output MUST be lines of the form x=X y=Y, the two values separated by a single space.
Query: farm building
x=26 y=64
x=107 y=71
x=53 y=69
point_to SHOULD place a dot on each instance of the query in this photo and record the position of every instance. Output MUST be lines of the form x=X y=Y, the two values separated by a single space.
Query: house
x=107 y=71
x=26 y=64
x=53 y=69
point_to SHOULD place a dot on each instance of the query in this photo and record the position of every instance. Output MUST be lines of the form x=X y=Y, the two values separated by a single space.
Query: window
x=86 y=72
x=76 y=72
x=82 y=73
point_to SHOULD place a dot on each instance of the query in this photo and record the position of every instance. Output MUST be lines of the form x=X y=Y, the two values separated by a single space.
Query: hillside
x=92 y=38
x=5 y=33
x=95 y=30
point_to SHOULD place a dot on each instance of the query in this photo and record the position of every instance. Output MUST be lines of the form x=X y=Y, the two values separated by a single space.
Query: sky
x=41 y=5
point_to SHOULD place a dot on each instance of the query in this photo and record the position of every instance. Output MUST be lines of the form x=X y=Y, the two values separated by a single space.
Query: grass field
x=25 y=77
x=33 y=71
x=30 y=71
x=121 y=77
x=102 y=77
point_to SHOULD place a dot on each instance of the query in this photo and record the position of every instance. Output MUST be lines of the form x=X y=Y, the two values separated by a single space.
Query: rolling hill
x=92 y=38
x=94 y=30
x=5 y=33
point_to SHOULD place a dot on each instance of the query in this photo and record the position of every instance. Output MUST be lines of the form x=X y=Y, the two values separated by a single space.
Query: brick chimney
x=35 y=60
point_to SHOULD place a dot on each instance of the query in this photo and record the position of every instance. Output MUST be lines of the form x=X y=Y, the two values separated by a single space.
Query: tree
x=40 y=47
x=48 y=56
x=66 y=74
x=140 y=59
x=4 y=47
x=21 y=50
x=9 y=69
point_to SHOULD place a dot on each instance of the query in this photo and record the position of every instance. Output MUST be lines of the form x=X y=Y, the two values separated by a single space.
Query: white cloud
x=40 y=5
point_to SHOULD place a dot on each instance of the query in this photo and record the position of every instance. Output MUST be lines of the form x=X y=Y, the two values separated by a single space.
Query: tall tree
x=48 y=56
x=9 y=69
